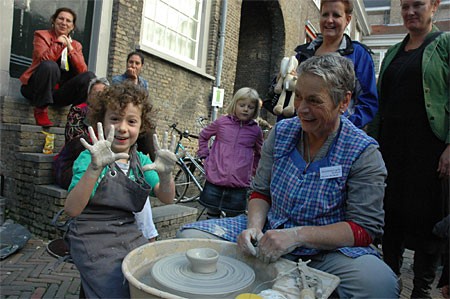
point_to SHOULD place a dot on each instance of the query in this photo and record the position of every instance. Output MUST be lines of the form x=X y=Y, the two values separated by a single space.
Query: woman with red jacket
x=58 y=74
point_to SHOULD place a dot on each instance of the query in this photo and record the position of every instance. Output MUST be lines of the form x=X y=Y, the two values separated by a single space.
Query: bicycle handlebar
x=184 y=134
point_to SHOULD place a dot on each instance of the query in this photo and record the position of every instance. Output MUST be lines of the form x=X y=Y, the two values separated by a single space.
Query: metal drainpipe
x=223 y=21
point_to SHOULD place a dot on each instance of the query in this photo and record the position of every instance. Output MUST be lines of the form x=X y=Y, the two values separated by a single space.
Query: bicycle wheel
x=181 y=180
x=193 y=191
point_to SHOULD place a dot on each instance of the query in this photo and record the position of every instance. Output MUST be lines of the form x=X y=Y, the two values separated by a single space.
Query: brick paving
x=407 y=277
x=34 y=273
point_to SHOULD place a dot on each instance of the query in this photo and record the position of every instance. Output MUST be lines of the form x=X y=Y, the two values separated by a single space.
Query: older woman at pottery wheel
x=318 y=191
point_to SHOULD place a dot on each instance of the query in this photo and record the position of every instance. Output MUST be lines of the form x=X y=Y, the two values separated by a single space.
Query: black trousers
x=426 y=261
x=40 y=88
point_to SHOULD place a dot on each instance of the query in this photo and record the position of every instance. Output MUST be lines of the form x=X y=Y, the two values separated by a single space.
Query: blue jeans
x=232 y=201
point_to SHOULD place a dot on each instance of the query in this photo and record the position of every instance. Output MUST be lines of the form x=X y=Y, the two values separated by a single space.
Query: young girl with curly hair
x=111 y=181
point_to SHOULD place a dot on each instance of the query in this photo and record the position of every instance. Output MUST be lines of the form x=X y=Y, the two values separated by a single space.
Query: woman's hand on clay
x=248 y=240
x=165 y=157
x=100 y=149
x=276 y=243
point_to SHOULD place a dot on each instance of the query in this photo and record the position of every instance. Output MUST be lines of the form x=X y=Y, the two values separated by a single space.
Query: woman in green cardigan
x=414 y=134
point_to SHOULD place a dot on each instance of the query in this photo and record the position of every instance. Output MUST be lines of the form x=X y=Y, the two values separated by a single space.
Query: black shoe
x=58 y=248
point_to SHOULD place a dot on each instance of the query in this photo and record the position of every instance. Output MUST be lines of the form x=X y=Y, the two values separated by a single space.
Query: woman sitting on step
x=58 y=74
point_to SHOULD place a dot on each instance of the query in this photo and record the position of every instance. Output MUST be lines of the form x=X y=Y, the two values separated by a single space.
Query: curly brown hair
x=117 y=97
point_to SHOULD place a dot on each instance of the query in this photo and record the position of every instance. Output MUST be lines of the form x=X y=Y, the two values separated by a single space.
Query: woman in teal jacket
x=413 y=131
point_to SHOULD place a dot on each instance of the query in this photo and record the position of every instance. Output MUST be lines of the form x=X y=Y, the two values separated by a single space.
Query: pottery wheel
x=174 y=272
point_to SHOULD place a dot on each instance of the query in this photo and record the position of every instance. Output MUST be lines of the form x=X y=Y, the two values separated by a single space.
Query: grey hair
x=337 y=72
x=243 y=94
x=95 y=81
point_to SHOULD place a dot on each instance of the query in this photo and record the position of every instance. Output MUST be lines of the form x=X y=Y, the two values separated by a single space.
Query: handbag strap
x=431 y=38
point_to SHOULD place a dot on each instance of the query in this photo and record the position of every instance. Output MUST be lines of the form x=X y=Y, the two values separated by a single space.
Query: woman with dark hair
x=58 y=74
x=135 y=61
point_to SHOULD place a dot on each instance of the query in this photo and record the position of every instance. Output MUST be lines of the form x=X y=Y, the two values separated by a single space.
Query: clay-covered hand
x=165 y=157
x=100 y=149
x=276 y=243
x=248 y=239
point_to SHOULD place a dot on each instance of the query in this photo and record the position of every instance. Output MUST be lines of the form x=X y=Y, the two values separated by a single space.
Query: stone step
x=19 y=138
x=56 y=192
x=36 y=168
x=21 y=153
x=34 y=206
x=169 y=218
x=17 y=110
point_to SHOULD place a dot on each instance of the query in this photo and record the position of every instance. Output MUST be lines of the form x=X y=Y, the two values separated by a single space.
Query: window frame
x=197 y=65
x=317 y=3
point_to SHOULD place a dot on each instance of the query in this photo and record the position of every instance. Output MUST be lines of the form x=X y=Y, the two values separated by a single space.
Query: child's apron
x=106 y=232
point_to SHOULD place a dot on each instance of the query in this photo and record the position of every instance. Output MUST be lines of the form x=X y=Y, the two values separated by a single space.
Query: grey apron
x=105 y=232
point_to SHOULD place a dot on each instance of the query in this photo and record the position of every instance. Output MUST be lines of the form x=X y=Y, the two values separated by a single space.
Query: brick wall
x=395 y=15
x=258 y=34
x=178 y=94
x=25 y=169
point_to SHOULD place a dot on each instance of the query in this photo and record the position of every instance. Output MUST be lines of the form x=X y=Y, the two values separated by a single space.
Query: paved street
x=33 y=273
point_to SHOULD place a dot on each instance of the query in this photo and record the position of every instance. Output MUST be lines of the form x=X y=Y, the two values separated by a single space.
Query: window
x=387 y=16
x=175 y=30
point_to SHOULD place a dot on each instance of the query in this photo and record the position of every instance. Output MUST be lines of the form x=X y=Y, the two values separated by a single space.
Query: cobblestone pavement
x=33 y=273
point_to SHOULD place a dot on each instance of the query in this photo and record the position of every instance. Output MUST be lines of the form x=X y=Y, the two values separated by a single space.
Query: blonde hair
x=243 y=94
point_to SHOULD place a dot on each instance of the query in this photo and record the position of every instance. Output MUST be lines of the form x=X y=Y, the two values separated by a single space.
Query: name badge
x=330 y=172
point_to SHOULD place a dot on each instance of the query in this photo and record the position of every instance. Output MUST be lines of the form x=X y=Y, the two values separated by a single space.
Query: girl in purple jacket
x=232 y=160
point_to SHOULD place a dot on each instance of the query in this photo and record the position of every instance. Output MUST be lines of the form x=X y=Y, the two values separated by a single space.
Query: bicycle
x=189 y=175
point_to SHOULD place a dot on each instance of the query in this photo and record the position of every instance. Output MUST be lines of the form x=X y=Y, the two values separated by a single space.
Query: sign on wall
x=217 y=99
